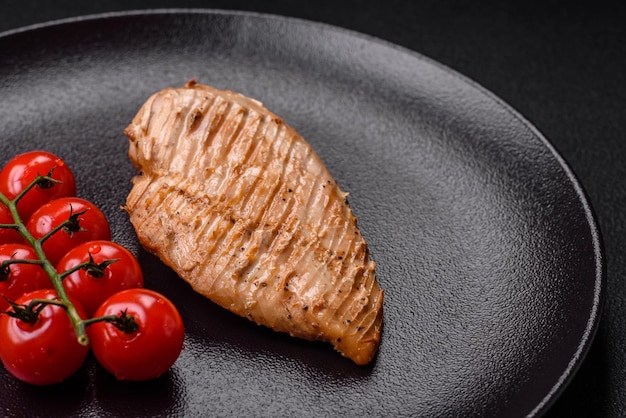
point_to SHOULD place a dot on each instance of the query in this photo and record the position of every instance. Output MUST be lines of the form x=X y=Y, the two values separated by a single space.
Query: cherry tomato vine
x=37 y=244
x=93 y=282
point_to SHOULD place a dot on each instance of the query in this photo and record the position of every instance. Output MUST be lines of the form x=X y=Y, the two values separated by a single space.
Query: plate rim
x=597 y=306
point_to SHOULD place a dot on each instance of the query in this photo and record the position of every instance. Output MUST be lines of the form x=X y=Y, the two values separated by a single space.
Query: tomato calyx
x=73 y=222
x=125 y=322
x=42 y=182
x=30 y=313
x=95 y=270
x=5 y=266
x=5 y=272
x=69 y=226
x=122 y=321
x=46 y=182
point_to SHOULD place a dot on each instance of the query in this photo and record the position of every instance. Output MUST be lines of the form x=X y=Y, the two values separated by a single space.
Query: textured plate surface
x=486 y=245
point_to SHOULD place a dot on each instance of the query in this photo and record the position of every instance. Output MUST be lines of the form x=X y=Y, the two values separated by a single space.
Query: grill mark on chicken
x=236 y=203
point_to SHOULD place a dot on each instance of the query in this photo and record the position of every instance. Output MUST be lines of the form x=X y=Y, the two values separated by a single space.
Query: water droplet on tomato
x=95 y=249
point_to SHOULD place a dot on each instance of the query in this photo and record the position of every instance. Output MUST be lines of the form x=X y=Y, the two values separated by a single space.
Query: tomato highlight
x=24 y=168
x=94 y=283
x=83 y=221
x=149 y=351
x=17 y=278
x=44 y=352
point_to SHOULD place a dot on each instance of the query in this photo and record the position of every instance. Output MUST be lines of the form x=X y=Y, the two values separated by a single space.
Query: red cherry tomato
x=91 y=224
x=46 y=351
x=149 y=351
x=8 y=235
x=92 y=286
x=18 y=278
x=22 y=170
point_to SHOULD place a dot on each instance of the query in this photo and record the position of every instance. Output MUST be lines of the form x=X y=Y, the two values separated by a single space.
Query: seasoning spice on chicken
x=242 y=208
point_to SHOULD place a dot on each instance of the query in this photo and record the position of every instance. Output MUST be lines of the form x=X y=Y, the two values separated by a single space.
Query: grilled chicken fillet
x=241 y=207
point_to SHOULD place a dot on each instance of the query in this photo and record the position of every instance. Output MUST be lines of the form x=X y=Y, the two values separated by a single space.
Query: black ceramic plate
x=485 y=243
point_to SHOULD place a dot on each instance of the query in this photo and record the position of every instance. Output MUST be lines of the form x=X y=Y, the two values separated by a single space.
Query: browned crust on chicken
x=243 y=209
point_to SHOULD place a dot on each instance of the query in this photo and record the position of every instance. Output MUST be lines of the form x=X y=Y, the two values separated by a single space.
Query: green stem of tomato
x=57 y=282
x=52 y=232
x=57 y=279
x=38 y=180
x=73 y=269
